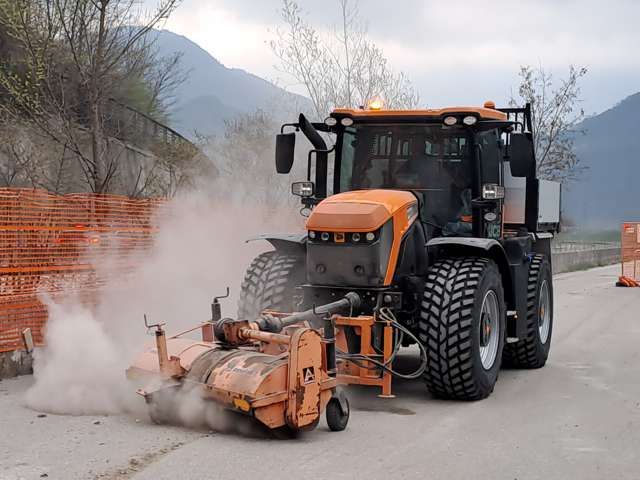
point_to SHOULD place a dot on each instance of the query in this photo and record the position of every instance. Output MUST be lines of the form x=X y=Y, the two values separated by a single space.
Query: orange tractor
x=437 y=234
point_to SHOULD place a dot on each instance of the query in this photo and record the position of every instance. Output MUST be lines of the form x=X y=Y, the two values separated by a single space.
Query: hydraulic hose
x=400 y=330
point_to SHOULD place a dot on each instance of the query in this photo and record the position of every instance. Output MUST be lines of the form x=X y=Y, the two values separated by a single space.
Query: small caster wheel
x=338 y=413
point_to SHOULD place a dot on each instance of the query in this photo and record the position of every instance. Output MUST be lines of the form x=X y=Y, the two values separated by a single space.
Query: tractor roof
x=488 y=112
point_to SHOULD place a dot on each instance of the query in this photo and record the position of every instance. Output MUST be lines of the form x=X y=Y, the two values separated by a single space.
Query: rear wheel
x=462 y=325
x=532 y=351
x=269 y=283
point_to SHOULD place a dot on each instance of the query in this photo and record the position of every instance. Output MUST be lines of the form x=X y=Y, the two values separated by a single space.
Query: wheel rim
x=544 y=312
x=489 y=329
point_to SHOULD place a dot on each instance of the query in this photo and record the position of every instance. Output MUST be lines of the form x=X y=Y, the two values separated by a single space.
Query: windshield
x=434 y=161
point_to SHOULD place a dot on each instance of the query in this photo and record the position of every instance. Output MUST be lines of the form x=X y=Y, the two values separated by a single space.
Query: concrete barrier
x=581 y=260
x=15 y=363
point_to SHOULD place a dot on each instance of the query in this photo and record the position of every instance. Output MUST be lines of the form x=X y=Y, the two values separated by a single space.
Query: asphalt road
x=579 y=417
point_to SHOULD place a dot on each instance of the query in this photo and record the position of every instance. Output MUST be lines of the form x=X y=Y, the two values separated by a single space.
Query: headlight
x=355 y=237
x=370 y=236
x=330 y=121
x=469 y=120
x=450 y=121
x=346 y=122
x=324 y=237
x=312 y=234
x=491 y=191
x=302 y=189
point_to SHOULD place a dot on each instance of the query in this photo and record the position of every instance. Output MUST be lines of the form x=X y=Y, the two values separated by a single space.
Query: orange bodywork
x=483 y=112
x=367 y=211
x=358 y=210
x=351 y=372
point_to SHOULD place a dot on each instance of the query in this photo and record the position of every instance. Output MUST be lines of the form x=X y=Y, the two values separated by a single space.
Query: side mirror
x=285 y=148
x=521 y=157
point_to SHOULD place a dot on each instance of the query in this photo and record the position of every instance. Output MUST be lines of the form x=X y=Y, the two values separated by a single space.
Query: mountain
x=213 y=92
x=605 y=195
x=608 y=193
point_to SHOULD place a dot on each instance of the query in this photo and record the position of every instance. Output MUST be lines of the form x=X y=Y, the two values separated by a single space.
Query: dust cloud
x=199 y=251
x=80 y=371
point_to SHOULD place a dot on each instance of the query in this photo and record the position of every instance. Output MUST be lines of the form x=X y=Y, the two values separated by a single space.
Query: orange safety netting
x=48 y=243
x=630 y=254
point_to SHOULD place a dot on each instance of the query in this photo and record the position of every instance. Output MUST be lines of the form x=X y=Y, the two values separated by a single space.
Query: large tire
x=269 y=283
x=457 y=291
x=532 y=351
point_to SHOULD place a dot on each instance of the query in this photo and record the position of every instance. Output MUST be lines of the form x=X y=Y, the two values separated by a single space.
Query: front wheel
x=462 y=327
x=269 y=283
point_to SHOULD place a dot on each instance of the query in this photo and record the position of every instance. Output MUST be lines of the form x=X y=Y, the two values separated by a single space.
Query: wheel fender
x=483 y=247
x=285 y=242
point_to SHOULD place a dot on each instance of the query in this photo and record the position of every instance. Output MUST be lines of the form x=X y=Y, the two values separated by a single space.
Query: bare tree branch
x=345 y=70
x=555 y=114
x=76 y=55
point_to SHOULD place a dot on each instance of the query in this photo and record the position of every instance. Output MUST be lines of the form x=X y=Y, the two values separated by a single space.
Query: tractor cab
x=455 y=161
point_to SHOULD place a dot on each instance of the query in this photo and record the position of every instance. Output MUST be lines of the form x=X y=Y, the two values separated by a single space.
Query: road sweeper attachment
x=274 y=368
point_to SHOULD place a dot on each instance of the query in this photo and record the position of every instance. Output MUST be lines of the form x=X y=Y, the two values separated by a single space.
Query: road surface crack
x=138 y=463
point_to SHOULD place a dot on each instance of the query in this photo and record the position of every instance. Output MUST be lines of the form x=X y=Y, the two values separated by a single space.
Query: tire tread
x=525 y=352
x=446 y=324
x=268 y=283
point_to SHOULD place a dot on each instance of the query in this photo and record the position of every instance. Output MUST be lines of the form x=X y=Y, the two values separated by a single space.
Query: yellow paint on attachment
x=241 y=404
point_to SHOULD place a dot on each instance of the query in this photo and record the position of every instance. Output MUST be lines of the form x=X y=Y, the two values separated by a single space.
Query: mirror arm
x=294 y=125
x=316 y=151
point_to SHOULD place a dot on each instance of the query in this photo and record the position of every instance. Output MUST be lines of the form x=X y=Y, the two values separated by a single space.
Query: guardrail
x=130 y=125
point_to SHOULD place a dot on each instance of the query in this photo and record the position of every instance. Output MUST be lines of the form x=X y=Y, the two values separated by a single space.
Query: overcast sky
x=455 y=52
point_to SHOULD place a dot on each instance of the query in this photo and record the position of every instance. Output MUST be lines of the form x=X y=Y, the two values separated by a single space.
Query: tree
x=555 y=114
x=173 y=168
x=31 y=160
x=243 y=156
x=345 y=69
x=78 y=56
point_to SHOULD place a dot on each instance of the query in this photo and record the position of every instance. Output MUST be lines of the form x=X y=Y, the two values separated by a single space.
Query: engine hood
x=359 y=210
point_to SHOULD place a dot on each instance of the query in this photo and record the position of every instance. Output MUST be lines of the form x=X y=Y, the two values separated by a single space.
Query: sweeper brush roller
x=275 y=368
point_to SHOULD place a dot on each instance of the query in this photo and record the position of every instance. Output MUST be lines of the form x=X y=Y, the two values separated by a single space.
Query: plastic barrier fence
x=631 y=250
x=47 y=242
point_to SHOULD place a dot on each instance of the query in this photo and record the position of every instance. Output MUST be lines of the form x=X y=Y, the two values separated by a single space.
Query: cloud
x=440 y=45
